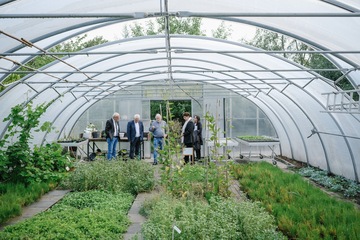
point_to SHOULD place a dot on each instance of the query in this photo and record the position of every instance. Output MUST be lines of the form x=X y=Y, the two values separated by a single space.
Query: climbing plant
x=18 y=161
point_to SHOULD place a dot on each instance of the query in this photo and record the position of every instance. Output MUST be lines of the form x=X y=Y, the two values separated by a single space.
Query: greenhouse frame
x=315 y=121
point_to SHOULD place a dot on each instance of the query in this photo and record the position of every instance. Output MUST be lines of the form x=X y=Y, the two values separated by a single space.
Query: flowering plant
x=91 y=127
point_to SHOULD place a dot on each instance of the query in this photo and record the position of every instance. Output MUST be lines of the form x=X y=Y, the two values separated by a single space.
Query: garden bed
x=302 y=211
x=97 y=209
x=79 y=215
x=14 y=196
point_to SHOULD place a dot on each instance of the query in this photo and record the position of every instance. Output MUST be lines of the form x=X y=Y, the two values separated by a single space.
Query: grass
x=13 y=196
x=301 y=210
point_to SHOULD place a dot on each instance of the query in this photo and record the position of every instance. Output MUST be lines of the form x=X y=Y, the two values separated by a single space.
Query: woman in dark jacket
x=197 y=137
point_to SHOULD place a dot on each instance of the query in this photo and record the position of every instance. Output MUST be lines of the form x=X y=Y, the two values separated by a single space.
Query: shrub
x=18 y=162
x=85 y=215
x=220 y=219
x=115 y=176
x=196 y=180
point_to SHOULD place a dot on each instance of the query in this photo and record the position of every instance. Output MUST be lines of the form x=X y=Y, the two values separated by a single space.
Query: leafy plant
x=115 y=176
x=19 y=163
x=220 y=219
x=197 y=181
x=85 y=215
x=348 y=187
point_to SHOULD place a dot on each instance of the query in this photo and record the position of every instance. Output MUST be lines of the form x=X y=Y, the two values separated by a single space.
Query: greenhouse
x=293 y=78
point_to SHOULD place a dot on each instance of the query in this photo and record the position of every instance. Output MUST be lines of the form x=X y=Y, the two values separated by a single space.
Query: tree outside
x=178 y=107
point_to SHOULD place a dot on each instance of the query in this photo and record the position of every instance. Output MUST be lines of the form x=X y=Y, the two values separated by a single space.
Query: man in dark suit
x=135 y=134
x=187 y=133
x=112 y=130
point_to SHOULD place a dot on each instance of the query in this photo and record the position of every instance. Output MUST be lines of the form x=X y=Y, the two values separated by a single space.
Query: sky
x=239 y=31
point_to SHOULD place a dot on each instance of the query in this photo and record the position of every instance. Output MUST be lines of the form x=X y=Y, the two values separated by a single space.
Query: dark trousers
x=198 y=154
x=188 y=145
x=135 y=148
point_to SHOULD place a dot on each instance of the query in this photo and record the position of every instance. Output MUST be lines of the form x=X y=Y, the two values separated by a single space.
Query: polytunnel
x=315 y=121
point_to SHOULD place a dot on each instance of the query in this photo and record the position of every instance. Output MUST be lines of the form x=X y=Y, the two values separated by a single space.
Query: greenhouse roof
x=294 y=98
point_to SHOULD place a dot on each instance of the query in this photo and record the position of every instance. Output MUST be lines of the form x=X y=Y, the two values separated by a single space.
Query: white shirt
x=137 y=129
x=116 y=129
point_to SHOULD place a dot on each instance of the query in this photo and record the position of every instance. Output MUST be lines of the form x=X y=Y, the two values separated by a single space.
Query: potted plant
x=91 y=128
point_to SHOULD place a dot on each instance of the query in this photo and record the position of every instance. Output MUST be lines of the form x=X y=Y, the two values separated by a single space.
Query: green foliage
x=190 y=26
x=18 y=163
x=85 y=215
x=197 y=181
x=335 y=183
x=251 y=138
x=194 y=180
x=215 y=132
x=220 y=219
x=178 y=107
x=187 y=26
x=269 y=40
x=13 y=196
x=170 y=154
x=47 y=164
x=222 y=32
x=172 y=147
x=115 y=176
x=302 y=211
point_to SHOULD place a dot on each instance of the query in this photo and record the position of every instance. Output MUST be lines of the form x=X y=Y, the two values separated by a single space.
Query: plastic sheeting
x=292 y=100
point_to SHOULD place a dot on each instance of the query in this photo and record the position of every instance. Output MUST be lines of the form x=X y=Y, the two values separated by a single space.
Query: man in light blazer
x=135 y=134
x=112 y=130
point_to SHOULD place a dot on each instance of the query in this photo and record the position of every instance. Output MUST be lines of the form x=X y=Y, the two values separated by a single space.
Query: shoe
x=155 y=163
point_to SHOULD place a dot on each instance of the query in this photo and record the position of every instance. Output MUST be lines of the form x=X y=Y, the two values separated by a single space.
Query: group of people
x=191 y=135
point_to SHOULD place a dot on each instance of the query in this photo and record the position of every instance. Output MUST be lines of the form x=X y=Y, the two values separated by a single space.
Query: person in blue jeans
x=157 y=128
x=135 y=133
x=112 y=130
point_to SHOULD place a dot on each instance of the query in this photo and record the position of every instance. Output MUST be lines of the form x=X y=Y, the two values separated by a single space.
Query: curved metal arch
x=228 y=66
x=103 y=22
x=198 y=37
x=233 y=20
x=297 y=37
x=223 y=41
x=4 y=2
x=60 y=40
x=341 y=5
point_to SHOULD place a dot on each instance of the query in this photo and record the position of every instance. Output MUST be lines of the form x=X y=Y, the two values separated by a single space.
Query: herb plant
x=302 y=211
x=80 y=215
